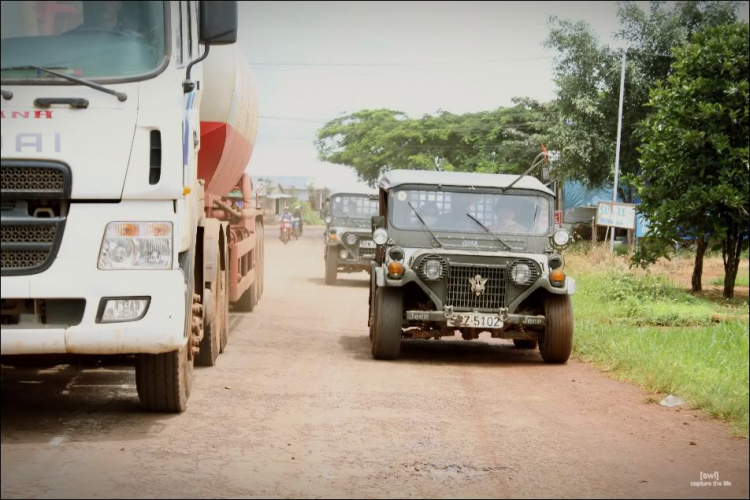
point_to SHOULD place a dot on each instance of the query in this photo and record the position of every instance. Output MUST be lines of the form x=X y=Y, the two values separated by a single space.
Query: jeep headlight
x=328 y=219
x=523 y=273
x=432 y=270
x=136 y=245
x=351 y=239
x=380 y=236
x=560 y=238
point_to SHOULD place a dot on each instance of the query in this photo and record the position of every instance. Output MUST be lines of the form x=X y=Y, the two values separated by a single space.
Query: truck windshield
x=91 y=40
x=453 y=211
x=356 y=207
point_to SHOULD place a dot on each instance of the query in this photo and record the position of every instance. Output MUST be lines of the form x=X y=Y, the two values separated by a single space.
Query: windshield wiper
x=425 y=224
x=488 y=231
x=121 y=96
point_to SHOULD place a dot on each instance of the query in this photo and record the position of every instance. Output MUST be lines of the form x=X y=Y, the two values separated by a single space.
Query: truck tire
x=524 y=343
x=211 y=341
x=557 y=342
x=246 y=302
x=225 y=308
x=386 y=335
x=164 y=381
x=332 y=262
x=262 y=267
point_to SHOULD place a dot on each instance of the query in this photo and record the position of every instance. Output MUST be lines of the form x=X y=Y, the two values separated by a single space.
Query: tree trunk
x=700 y=251
x=732 y=253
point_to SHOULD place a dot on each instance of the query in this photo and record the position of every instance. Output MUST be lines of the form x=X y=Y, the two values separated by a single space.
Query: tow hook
x=503 y=314
x=448 y=311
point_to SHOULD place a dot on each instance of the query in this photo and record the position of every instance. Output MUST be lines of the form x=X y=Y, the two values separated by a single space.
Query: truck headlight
x=124 y=309
x=136 y=245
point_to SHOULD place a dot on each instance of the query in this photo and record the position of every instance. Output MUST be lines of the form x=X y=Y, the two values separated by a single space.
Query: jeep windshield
x=353 y=206
x=458 y=211
x=92 y=40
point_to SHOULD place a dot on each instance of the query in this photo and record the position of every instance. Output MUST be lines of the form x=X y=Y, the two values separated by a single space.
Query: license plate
x=367 y=244
x=475 y=320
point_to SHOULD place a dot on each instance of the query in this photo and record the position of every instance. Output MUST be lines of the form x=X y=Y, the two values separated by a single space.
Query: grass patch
x=742 y=280
x=642 y=328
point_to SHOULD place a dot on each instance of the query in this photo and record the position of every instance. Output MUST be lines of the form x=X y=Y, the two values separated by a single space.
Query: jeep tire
x=557 y=342
x=386 y=329
x=332 y=262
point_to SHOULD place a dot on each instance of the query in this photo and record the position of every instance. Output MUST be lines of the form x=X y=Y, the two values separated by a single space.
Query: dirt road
x=297 y=407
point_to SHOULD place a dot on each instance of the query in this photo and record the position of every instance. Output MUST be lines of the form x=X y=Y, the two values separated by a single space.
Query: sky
x=313 y=61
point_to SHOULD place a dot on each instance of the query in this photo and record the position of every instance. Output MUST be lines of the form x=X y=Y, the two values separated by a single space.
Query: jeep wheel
x=524 y=343
x=163 y=381
x=386 y=332
x=332 y=262
x=557 y=343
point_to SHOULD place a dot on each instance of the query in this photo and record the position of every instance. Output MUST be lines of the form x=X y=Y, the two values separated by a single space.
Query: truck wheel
x=212 y=330
x=557 y=343
x=389 y=311
x=524 y=344
x=163 y=381
x=225 y=311
x=332 y=262
x=246 y=303
x=262 y=267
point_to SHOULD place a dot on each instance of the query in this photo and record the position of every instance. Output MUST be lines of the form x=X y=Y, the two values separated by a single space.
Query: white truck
x=128 y=224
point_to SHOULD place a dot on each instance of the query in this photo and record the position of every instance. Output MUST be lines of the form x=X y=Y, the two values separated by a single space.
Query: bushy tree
x=374 y=141
x=587 y=73
x=694 y=177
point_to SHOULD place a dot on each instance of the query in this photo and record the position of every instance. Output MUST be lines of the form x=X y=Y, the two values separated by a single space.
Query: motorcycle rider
x=286 y=217
x=298 y=215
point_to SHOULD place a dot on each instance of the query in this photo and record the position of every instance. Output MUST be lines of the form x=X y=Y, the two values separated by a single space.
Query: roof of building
x=396 y=178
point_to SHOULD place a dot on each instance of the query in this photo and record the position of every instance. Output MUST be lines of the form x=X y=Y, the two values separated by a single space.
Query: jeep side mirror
x=218 y=22
x=378 y=221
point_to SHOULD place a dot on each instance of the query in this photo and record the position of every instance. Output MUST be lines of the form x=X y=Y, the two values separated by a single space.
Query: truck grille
x=36 y=179
x=34 y=203
x=460 y=294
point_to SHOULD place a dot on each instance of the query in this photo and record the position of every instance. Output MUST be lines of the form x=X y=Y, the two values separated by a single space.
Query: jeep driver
x=473 y=253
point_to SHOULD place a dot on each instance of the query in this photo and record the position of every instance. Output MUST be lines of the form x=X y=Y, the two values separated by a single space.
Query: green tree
x=374 y=141
x=695 y=175
x=587 y=74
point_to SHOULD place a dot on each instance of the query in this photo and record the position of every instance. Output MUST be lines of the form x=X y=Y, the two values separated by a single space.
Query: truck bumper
x=160 y=330
x=74 y=275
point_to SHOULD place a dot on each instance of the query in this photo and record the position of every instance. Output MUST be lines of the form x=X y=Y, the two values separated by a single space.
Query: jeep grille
x=460 y=294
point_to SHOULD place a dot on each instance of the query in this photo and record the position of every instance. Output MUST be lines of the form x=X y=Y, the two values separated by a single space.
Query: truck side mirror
x=378 y=221
x=218 y=23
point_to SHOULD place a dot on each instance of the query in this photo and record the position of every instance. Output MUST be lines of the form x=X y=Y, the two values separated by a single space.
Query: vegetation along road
x=297 y=407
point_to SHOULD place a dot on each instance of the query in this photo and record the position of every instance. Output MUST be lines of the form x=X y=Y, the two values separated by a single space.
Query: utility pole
x=619 y=135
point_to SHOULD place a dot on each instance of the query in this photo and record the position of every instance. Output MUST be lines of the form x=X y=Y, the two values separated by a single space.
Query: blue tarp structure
x=580 y=202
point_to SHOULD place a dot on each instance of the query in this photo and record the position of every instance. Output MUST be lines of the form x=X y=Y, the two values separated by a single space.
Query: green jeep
x=473 y=253
x=348 y=237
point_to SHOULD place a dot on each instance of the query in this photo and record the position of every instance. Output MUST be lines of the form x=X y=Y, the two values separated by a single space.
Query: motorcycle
x=286 y=231
x=296 y=227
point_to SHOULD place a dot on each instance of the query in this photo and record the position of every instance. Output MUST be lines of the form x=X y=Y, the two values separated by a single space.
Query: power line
x=395 y=64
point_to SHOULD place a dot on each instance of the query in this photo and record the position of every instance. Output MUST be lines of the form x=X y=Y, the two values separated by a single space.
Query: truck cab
x=469 y=253
x=102 y=202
